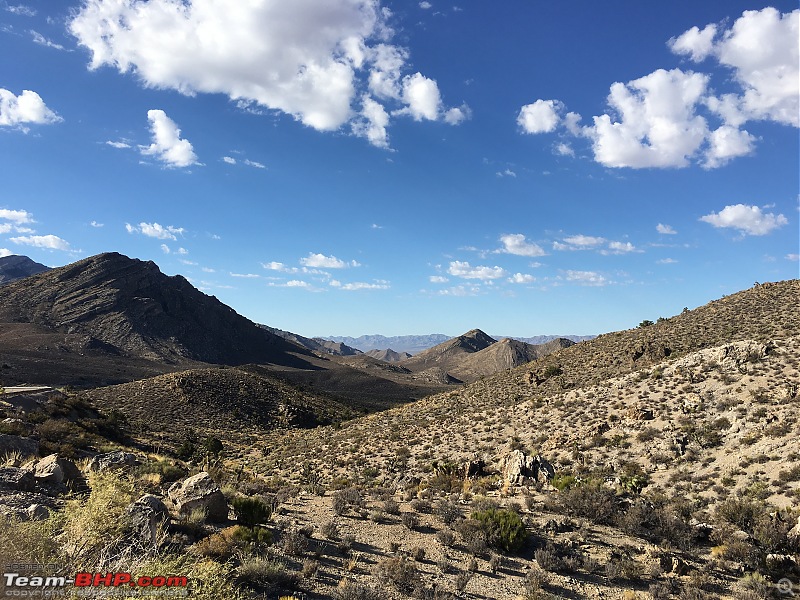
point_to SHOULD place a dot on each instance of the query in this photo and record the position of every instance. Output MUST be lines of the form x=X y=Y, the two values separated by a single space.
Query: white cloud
x=665 y=229
x=540 y=117
x=96 y=224
x=38 y=38
x=19 y=217
x=167 y=146
x=321 y=261
x=422 y=96
x=118 y=145
x=5 y=228
x=506 y=173
x=727 y=143
x=465 y=270
x=564 y=149
x=373 y=123
x=619 y=248
x=305 y=58
x=254 y=164
x=21 y=10
x=245 y=275
x=379 y=285
x=667 y=261
x=457 y=114
x=584 y=241
x=749 y=220
x=655 y=122
x=438 y=279
x=694 y=42
x=228 y=159
x=590 y=278
x=28 y=107
x=293 y=283
x=793 y=257
x=208 y=270
x=762 y=50
x=425 y=5
x=460 y=291
x=165 y=249
x=182 y=251
x=515 y=243
x=5 y=252
x=155 y=230
x=52 y=242
x=279 y=266
x=521 y=278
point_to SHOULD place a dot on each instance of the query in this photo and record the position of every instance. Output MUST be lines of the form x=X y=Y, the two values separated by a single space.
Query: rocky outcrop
x=10 y=444
x=520 y=469
x=199 y=492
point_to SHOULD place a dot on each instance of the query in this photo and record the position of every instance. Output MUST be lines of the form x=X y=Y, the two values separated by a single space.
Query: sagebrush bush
x=251 y=511
x=504 y=528
x=399 y=572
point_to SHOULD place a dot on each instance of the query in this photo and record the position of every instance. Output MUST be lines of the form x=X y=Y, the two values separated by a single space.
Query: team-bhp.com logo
x=17 y=584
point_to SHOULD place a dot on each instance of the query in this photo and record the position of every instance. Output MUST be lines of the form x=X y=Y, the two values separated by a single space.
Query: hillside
x=388 y=355
x=315 y=344
x=18 y=267
x=229 y=403
x=449 y=353
x=132 y=308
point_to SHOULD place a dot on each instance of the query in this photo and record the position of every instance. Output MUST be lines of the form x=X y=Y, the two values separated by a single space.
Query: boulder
x=49 y=471
x=12 y=478
x=519 y=469
x=10 y=444
x=146 y=515
x=37 y=512
x=113 y=460
x=199 y=492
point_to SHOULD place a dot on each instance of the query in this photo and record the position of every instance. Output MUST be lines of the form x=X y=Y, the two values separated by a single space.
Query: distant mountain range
x=414 y=344
x=16 y=267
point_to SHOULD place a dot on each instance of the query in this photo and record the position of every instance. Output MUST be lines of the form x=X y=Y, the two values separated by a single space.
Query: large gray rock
x=14 y=443
x=520 y=469
x=113 y=460
x=48 y=470
x=199 y=492
x=12 y=478
x=146 y=515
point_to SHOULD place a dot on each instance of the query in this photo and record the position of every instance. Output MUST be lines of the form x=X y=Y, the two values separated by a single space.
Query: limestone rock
x=199 y=491
x=49 y=471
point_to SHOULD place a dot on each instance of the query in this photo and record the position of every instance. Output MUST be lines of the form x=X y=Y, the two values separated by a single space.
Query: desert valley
x=168 y=435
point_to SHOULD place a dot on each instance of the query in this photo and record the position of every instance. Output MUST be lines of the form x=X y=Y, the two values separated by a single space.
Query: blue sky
x=350 y=166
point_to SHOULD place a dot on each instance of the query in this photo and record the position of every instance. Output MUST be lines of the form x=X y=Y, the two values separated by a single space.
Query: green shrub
x=251 y=511
x=504 y=528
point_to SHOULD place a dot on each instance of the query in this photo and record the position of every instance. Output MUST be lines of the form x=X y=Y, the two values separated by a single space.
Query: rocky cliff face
x=135 y=309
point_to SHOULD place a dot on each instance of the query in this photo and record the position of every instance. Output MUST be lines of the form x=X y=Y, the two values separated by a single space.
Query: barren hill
x=130 y=307
x=475 y=354
x=18 y=267
x=388 y=355
x=227 y=402
x=316 y=344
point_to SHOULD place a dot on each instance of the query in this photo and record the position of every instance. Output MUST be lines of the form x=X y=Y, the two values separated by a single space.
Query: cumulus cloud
x=320 y=261
x=540 y=117
x=697 y=43
x=245 y=275
x=655 y=122
x=118 y=145
x=5 y=252
x=255 y=164
x=506 y=173
x=466 y=271
x=792 y=257
x=438 y=279
x=750 y=220
x=373 y=123
x=665 y=229
x=619 y=248
x=672 y=118
x=229 y=160
x=563 y=149
x=19 y=217
x=51 y=242
x=425 y=5
x=155 y=230
x=589 y=278
x=28 y=107
x=167 y=145
x=667 y=261
x=515 y=243
x=521 y=278
x=21 y=10
x=308 y=59
x=279 y=266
